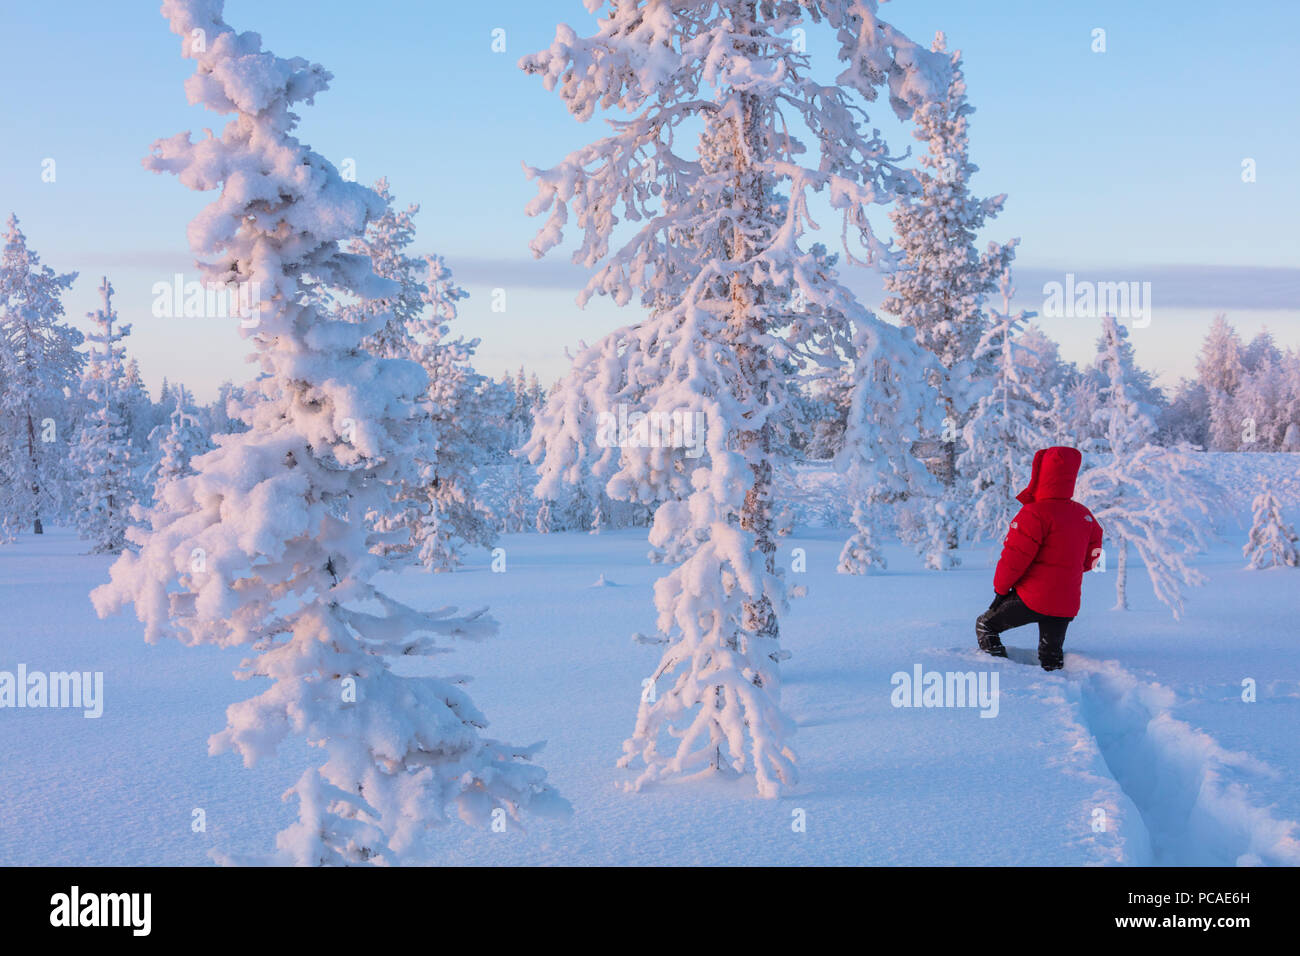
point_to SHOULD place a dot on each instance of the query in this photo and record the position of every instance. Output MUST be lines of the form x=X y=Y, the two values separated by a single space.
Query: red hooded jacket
x=1052 y=539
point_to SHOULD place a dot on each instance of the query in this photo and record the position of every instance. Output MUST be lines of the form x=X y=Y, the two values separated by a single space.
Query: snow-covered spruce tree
x=179 y=442
x=269 y=545
x=1259 y=404
x=221 y=417
x=519 y=512
x=1187 y=416
x=1143 y=495
x=141 y=415
x=574 y=490
x=575 y=430
x=463 y=403
x=574 y=436
x=1220 y=369
x=1260 y=351
x=735 y=301
x=1291 y=437
x=892 y=403
x=827 y=415
x=443 y=510
x=1005 y=428
x=526 y=397
x=940 y=288
x=1272 y=542
x=40 y=365
x=1291 y=401
x=1041 y=362
x=105 y=487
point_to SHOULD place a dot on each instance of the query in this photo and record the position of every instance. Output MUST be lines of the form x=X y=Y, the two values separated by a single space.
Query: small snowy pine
x=180 y=441
x=1221 y=371
x=39 y=361
x=1272 y=542
x=105 y=487
x=892 y=403
x=442 y=510
x=1004 y=429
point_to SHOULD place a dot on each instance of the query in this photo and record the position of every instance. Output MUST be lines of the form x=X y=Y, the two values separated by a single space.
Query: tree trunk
x=1121 y=576
x=748 y=321
x=36 y=485
x=950 y=482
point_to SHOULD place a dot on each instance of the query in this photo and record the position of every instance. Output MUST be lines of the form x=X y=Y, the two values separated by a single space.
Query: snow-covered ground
x=1141 y=751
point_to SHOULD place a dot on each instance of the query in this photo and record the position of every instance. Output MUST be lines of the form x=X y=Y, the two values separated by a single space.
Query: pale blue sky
x=1117 y=165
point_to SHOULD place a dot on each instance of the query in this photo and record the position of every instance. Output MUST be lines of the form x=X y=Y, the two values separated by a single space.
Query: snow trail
x=1182 y=782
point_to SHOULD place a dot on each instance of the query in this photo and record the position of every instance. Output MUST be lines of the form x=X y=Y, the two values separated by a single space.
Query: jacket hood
x=1053 y=475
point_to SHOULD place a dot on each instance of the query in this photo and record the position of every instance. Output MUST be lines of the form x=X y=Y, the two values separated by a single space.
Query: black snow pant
x=1008 y=611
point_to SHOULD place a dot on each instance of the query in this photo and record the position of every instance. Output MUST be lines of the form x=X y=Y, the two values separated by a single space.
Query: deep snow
x=1146 y=724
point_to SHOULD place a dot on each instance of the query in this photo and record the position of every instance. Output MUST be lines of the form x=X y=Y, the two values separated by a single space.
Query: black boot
x=989 y=641
x=1049 y=657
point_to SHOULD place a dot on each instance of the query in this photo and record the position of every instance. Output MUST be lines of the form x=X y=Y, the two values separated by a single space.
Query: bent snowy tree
x=738 y=309
x=1143 y=495
x=271 y=545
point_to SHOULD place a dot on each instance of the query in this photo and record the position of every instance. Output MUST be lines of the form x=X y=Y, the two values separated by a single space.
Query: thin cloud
x=1186 y=287
x=1213 y=288
x=1172 y=286
x=525 y=273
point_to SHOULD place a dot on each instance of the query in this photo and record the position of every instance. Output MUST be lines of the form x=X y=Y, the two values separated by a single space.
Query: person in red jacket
x=1052 y=541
